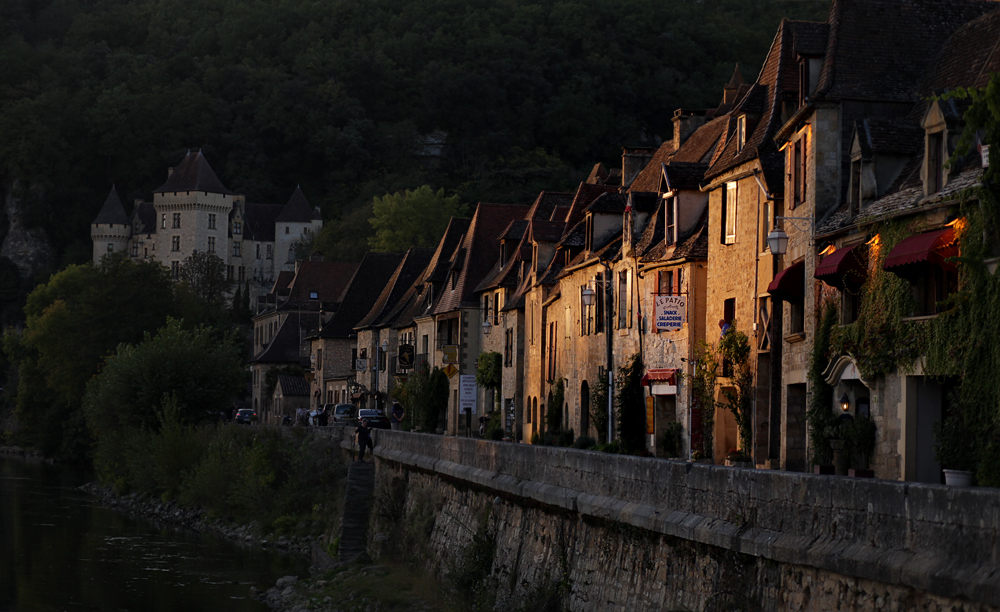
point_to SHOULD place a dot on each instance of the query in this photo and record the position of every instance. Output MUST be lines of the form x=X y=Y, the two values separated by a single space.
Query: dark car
x=376 y=420
x=341 y=413
x=246 y=416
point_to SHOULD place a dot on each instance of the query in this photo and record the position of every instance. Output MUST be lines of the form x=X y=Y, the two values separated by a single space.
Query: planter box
x=827 y=470
x=861 y=473
x=957 y=478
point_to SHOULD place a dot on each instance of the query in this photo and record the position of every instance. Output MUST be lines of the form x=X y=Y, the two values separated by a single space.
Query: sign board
x=671 y=312
x=649 y=415
x=361 y=364
x=450 y=370
x=404 y=356
x=467 y=394
x=449 y=353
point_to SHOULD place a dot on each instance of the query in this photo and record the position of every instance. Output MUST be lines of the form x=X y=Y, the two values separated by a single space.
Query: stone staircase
x=357 y=507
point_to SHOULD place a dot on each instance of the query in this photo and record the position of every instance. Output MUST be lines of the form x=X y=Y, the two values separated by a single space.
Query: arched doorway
x=584 y=409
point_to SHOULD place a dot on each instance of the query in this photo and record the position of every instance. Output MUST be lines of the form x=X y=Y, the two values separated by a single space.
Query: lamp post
x=777 y=240
x=487 y=327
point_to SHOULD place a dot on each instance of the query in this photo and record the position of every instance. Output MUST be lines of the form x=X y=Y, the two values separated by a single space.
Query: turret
x=111 y=230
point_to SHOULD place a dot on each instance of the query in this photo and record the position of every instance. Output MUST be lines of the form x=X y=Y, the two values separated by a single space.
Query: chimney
x=685 y=123
x=634 y=159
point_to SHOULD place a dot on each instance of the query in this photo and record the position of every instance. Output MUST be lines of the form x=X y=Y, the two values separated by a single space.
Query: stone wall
x=632 y=533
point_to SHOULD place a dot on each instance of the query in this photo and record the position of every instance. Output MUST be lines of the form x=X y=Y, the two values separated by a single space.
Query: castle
x=193 y=211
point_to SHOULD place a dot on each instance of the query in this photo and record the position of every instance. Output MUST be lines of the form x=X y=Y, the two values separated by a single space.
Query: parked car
x=341 y=413
x=246 y=415
x=376 y=420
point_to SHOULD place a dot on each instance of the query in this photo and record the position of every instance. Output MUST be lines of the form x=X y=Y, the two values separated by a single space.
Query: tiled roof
x=369 y=279
x=700 y=145
x=968 y=58
x=284 y=347
x=576 y=237
x=586 y=193
x=282 y=282
x=258 y=221
x=193 y=174
x=297 y=209
x=880 y=49
x=810 y=38
x=615 y=203
x=403 y=277
x=890 y=136
x=546 y=231
x=515 y=230
x=481 y=245
x=653 y=233
x=763 y=105
x=695 y=245
x=113 y=211
x=547 y=202
x=649 y=178
x=327 y=279
x=682 y=176
x=441 y=261
x=293 y=386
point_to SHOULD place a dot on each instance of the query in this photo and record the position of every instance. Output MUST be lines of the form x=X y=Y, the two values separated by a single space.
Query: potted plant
x=862 y=439
x=837 y=433
x=955 y=450
x=699 y=456
x=738 y=458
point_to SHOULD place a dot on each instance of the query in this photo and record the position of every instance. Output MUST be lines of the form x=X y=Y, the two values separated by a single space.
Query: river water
x=61 y=551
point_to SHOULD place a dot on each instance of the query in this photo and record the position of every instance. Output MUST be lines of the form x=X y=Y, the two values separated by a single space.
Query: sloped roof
x=480 y=244
x=889 y=136
x=968 y=58
x=113 y=211
x=193 y=174
x=546 y=231
x=258 y=221
x=681 y=176
x=366 y=285
x=648 y=178
x=880 y=49
x=441 y=261
x=293 y=386
x=327 y=279
x=296 y=210
x=586 y=193
x=403 y=277
x=145 y=214
x=282 y=282
x=762 y=105
x=700 y=145
x=546 y=203
x=284 y=347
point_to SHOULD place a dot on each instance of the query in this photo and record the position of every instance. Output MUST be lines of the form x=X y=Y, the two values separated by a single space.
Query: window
x=237 y=228
x=313 y=295
x=729 y=214
x=486 y=308
x=291 y=253
x=229 y=273
x=319 y=359
x=286 y=229
x=211 y=244
x=795 y=172
x=269 y=252
x=175 y=243
x=741 y=132
x=935 y=162
x=424 y=344
x=765 y=224
x=931 y=288
x=258 y=251
x=624 y=304
x=668 y=282
x=854 y=197
x=600 y=303
x=243 y=273
x=175 y=269
x=354 y=359
x=177 y=220
x=671 y=222
x=496 y=308
x=796 y=317
x=163 y=221
x=729 y=311
x=586 y=321
x=135 y=249
x=508 y=347
x=236 y=248
x=211 y=220
x=553 y=329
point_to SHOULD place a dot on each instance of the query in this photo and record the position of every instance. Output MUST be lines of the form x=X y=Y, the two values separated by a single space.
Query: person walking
x=364 y=438
x=396 y=417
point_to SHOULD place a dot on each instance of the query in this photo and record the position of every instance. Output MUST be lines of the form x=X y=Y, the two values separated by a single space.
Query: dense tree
x=204 y=274
x=194 y=371
x=74 y=321
x=412 y=218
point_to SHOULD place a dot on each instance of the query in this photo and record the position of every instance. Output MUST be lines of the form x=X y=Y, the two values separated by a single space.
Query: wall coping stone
x=933 y=538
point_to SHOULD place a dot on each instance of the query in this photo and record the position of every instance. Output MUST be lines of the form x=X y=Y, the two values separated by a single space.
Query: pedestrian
x=364 y=439
x=397 y=415
x=724 y=327
x=300 y=416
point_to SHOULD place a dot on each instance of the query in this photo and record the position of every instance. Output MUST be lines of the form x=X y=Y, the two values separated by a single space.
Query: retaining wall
x=933 y=546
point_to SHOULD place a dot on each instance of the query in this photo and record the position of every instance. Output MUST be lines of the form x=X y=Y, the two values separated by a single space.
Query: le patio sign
x=671 y=312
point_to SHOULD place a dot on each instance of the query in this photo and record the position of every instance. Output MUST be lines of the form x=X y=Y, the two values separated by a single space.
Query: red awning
x=789 y=284
x=655 y=375
x=847 y=266
x=932 y=247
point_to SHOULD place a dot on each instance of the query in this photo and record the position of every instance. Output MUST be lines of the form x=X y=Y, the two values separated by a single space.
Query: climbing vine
x=819 y=415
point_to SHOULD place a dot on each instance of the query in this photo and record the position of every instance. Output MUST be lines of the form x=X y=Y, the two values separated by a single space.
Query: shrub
x=584 y=442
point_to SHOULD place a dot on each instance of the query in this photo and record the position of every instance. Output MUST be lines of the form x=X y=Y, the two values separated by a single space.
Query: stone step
x=354 y=524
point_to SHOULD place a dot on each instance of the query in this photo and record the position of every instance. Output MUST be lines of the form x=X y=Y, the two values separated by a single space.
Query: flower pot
x=958 y=478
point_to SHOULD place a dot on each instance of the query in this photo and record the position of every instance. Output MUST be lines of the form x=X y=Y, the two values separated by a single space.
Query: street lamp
x=487 y=327
x=845 y=403
x=777 y=240
x=588 y=296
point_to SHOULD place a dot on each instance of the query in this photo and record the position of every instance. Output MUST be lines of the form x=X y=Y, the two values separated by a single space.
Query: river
x=60 y=551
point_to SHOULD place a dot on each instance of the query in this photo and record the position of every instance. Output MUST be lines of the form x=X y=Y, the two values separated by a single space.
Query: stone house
x=193 y=211
x=284 y=350
x=888 y=171
x=290 y=394
x=746 y=190
x=336 y=358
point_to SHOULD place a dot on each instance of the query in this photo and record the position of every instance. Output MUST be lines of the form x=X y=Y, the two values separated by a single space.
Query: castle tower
x=111 y=230
x=296 y=224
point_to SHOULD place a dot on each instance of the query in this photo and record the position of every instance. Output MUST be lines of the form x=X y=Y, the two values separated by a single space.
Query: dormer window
x=670 y=232
x=503 y=253
x=809 y=69
x=741 y=132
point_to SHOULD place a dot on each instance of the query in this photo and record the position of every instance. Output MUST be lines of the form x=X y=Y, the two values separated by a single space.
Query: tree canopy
x=353 y=99
x=412 y=218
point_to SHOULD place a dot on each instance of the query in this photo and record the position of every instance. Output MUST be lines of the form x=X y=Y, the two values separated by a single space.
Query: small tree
x=706 y=372
x=631 y=404
x=735 y=349
x=489 y=373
